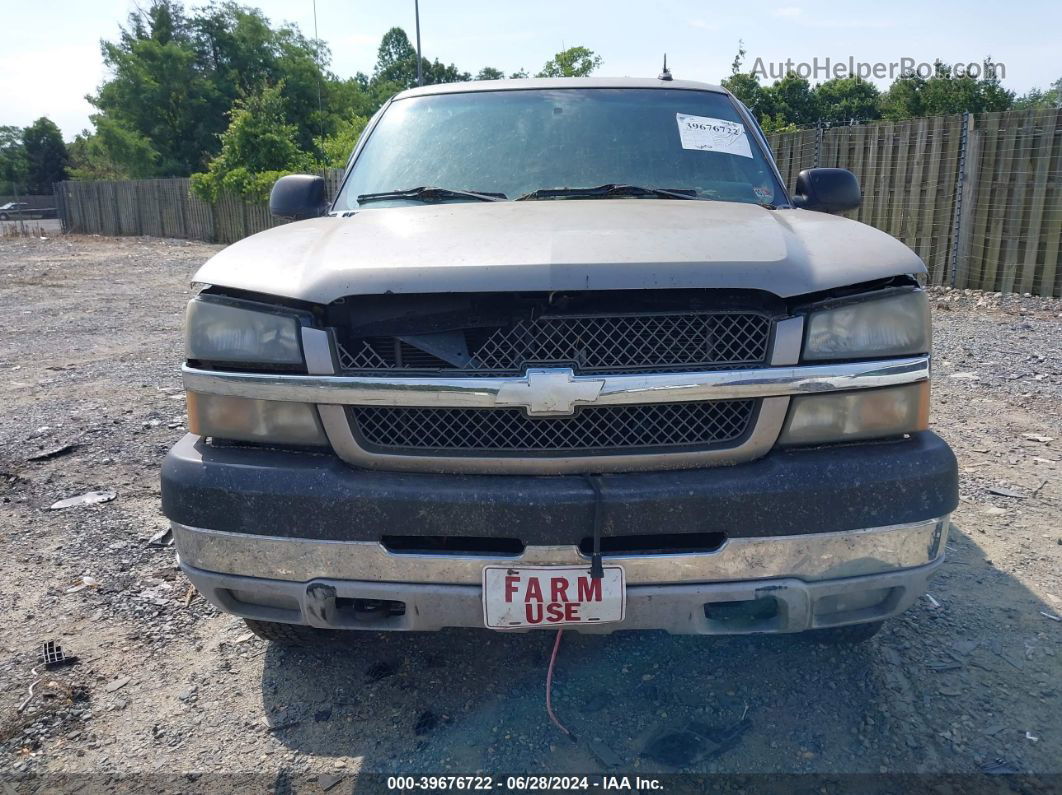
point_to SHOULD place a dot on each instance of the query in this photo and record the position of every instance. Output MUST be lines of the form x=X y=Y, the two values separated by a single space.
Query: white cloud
x=700 y=24
x=851 y=24
x=788 y=11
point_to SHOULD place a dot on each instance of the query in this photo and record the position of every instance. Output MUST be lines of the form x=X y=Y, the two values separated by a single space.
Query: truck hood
x=599 y=244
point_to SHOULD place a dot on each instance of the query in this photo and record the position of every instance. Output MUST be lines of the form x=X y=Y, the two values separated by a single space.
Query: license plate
x=551 y=596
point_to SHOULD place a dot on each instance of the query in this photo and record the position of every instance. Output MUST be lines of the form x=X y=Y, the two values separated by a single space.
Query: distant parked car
x=15 y=210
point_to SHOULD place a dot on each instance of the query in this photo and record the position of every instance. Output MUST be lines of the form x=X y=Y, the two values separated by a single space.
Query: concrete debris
x=89 y=498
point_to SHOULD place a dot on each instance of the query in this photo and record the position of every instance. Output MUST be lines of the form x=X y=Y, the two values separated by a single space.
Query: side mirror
x=828 y=190
x=298 y=196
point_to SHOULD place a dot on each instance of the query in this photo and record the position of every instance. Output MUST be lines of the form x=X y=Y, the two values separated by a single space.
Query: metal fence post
x=960 y=181
x=818 y=142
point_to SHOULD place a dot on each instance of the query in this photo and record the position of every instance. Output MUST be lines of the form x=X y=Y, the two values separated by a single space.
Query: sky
x=50 y=59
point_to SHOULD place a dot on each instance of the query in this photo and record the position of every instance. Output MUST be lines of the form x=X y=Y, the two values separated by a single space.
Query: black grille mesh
x=613 y=428
x=595 y=343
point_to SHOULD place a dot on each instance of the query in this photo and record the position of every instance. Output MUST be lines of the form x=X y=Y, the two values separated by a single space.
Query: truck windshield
x=532 y=143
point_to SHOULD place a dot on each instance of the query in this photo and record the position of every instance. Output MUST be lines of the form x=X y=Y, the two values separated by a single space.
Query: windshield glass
x=518 y=142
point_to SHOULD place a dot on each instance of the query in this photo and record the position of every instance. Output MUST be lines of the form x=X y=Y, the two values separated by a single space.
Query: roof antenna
x=666 y=74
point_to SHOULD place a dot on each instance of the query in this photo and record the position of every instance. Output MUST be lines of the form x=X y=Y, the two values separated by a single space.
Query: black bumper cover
x=286 y=494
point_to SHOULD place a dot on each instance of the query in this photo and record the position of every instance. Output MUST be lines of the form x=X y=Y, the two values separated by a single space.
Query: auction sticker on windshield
x=713 y=135
x=551 y=596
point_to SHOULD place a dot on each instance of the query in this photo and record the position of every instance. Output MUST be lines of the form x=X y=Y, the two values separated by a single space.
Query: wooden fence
x=163 y=208
x=978 y=197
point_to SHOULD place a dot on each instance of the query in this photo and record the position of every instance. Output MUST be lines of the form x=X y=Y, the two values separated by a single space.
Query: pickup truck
x=561 y=353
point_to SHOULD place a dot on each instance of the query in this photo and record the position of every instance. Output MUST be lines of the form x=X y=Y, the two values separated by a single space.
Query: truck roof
x=558 y=82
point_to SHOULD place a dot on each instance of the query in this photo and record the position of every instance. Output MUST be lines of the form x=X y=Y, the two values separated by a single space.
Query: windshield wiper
x=611 y=189
x=431 y=193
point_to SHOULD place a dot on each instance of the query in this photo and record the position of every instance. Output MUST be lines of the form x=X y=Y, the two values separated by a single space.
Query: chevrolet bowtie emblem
x=549 y=393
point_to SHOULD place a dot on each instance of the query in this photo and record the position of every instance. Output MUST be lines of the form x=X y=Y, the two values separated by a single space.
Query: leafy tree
x=396 y=59
x=336 y=149
x=845 y=99
x=46 y=155
x=777 y=124
x=238 y=50
x=793 y=98
x=490 y=73
x=746 y=87
x=157 y=89
x=13 y=165
x=258 y=147
x=572 y=62
x=396 y=62
x=1038 y=98
x=519 y=74
x=175 y=77
x=184 y=87
x=112 y=152
x=912 y=95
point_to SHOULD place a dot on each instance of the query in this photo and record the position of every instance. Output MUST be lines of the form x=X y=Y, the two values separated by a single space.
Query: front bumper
x=262 y=492
x=778 y=605
x=812 y=538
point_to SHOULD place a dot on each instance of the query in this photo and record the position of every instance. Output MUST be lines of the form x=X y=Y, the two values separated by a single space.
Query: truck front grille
x=614 y=343
x=641 y=428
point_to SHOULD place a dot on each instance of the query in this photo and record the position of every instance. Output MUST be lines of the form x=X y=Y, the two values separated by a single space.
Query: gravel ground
x=89 y=355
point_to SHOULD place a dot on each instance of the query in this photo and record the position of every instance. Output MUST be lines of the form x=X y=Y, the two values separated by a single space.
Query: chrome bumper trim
x=609 y=390
x=678 y=609
x=809 y=557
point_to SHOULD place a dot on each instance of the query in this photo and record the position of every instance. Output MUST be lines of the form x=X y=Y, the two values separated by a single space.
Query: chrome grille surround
x=591 y=429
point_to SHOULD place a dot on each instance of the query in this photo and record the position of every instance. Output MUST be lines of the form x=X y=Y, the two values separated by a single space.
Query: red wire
x=549 y=688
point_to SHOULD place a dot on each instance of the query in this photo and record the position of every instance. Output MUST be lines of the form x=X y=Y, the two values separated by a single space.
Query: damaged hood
x=592 y=244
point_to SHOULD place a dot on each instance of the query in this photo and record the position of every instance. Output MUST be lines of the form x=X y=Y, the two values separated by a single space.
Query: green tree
x=174 y=78
x=157 y=89
x=490 y=73
x=396 y=59
x=777 y=124
x=793 y=99
x=13 y=166
x=1038 y=98
x=179 y=81
x=746 y=87
x=258 y=147
x=112 y=152
x=847 y=99
x=572 y=62
x=396 y=63
x=336 y=148
x=46 y=155
x=945 y=91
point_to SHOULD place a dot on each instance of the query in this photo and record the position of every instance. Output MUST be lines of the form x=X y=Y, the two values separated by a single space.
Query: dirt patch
x=89 y=354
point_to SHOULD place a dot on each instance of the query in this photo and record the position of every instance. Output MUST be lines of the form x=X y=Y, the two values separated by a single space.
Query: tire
x=846 y=635
x=287 y=634
x=3 y=216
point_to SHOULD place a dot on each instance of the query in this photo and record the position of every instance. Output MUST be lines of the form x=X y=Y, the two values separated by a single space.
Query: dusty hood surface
x=598 y=244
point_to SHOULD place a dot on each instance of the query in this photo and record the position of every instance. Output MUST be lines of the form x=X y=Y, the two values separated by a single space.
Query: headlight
x=246 y=420
x=223 y=330
x=894 y=326
x=850 y=416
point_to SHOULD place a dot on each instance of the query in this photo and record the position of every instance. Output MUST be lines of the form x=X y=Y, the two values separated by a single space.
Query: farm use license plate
x=551 y=596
